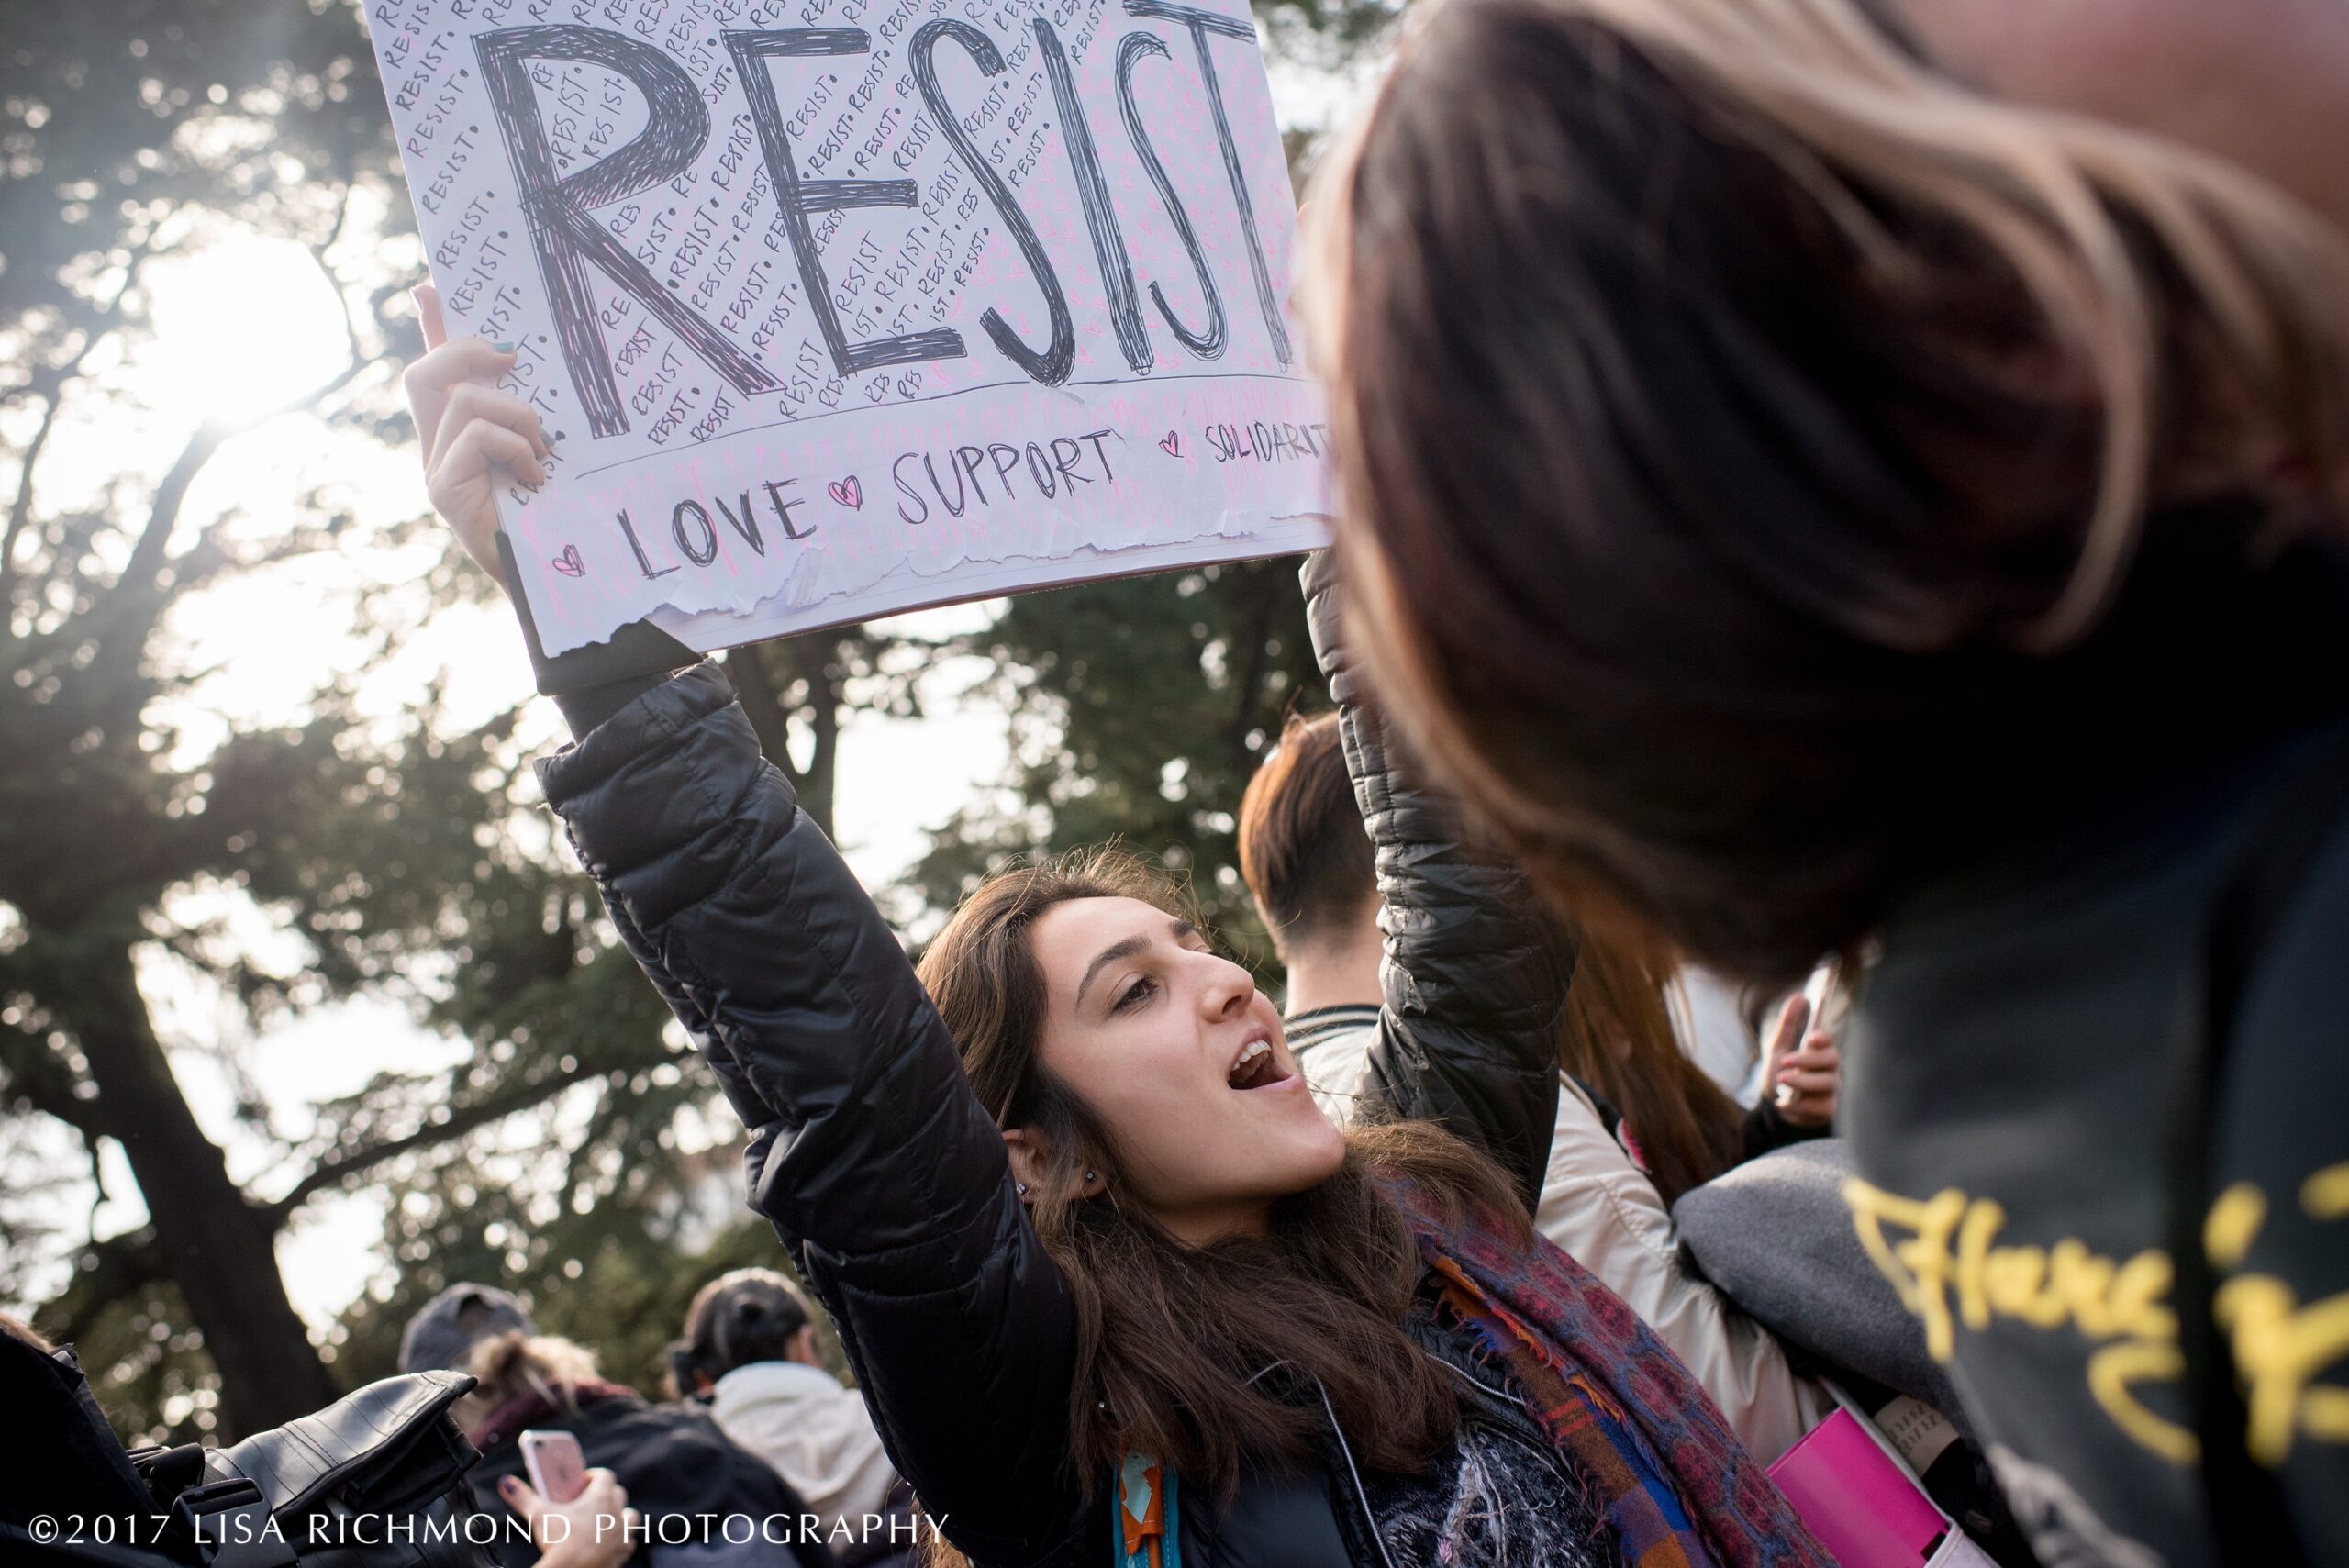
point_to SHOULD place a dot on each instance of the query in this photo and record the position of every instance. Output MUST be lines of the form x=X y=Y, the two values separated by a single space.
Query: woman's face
x=2264 y=82
x=1184 y=1060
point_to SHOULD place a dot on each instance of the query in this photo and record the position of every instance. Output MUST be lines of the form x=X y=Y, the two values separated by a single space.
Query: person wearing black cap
x=703 y=1500
x=445 y=1332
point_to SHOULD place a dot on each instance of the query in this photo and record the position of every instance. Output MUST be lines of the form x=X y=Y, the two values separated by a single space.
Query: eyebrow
x=1126 y=949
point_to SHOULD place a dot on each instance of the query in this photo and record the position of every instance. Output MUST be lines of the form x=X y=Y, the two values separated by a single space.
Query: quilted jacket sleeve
x=868 y=1150
x=1475 y=976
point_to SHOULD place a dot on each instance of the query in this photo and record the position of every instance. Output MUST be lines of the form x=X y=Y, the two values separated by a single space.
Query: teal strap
x=1131 y=1485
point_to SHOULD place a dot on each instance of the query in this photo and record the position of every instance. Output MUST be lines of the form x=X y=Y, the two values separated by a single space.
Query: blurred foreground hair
x=1761 y=450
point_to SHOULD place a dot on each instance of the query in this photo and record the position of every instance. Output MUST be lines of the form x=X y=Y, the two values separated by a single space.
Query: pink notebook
x=1860 y=1506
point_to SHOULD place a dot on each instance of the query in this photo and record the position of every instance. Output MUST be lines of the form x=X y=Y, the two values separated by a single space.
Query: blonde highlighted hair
x=508 y=1365
x=2134 y=323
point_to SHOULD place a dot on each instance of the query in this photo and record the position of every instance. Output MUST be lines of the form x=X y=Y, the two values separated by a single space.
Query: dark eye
x=1136 y=994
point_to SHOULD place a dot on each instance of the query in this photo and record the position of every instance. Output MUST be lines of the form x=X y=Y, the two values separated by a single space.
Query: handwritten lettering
x=1942 y=1255
x=740 y=238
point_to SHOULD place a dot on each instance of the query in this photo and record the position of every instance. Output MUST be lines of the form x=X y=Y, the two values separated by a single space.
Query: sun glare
x=240 y=327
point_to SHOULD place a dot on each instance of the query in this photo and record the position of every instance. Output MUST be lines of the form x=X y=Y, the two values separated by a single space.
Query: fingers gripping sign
x=476 y=439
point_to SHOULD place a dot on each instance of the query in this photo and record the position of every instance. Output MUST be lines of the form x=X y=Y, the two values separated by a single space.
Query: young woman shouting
x=1116 y=1291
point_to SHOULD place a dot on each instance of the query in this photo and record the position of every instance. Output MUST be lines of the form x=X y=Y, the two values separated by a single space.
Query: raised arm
x=1474 y=978
x=868 y=1150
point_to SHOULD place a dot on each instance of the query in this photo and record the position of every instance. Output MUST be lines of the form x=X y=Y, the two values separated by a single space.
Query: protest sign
x=835 y=307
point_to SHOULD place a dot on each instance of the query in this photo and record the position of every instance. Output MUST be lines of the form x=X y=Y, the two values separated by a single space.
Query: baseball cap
x=445 y=1331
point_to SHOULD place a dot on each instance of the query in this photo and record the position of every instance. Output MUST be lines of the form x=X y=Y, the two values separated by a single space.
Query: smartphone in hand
x=1819 y=988
x=558 y=1470
x=1815 y=994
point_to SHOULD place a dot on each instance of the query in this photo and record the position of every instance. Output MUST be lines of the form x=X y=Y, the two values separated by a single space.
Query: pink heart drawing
x=569 y=563
x=847 y=492
x=1172 y=445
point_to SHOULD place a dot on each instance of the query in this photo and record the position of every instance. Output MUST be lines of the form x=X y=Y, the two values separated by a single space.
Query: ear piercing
x=1090 y=1177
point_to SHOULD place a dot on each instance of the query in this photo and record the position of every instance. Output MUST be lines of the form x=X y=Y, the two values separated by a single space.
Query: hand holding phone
x=1802 y=1067
x=1818 y=988
x=596 y=1530
x=558 y=1470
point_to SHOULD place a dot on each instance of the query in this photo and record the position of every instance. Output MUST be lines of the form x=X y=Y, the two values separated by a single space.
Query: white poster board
x=837 y=307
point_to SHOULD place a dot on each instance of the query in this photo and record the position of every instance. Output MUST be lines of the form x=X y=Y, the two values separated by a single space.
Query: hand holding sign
x=1011 y=276
x=477 y=440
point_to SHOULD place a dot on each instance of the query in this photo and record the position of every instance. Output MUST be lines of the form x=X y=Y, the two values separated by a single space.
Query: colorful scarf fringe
x=1672 y=1481
x=1677 y=1487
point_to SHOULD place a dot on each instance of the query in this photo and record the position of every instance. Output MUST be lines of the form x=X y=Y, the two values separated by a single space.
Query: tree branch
x=824 y=717
x=1250 y=686
x=98 y=1194
x=755 y=685
x=147 y=556
x=21 y=511
x=48 y=1087
x=334 y=1169
x=104 y=1274
x=334 y=278
x=50 y=386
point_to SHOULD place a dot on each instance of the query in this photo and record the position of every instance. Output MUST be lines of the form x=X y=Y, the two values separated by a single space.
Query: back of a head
x=1302 y=849
x=740 y=1318
x=25 y=1333
x=505 y=1366
x=1741 y=421
x=445 y=1329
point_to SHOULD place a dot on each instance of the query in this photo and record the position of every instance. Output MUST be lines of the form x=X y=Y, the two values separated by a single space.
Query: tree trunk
x=815 y=794
x=754 y=684
x=217 y=1247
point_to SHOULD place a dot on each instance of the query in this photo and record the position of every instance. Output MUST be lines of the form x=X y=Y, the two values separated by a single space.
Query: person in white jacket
x=749 y=1348
x=1306 y=859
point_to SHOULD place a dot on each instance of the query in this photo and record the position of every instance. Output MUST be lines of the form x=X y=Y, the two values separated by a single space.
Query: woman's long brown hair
x=1619 y=1041
x=1217 y=1357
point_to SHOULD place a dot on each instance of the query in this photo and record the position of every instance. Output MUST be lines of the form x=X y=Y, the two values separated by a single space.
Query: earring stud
x=1020 y=1187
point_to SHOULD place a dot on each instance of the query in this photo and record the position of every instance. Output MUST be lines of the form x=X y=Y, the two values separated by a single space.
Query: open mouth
x=1257 y=1067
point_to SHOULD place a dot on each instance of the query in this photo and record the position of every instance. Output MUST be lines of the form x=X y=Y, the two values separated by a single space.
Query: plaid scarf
x=1672 y=1481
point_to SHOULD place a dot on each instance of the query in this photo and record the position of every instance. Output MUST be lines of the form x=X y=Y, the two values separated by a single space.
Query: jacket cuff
x=652 y=717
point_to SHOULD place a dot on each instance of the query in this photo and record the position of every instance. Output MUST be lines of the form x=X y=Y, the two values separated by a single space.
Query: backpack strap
x=1145 y=1531
x=2243 y=1498
x=169 y=1472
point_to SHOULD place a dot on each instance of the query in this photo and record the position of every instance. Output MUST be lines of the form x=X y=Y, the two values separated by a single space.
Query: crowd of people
x=754 y=1427
x=1841 y=555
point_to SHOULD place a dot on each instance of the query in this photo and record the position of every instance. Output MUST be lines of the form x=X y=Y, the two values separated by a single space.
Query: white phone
x=558 y=1470
x=1815 y=991
x=1818 y=988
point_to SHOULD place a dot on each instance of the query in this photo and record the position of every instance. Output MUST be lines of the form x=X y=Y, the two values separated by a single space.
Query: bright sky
x=241 y=324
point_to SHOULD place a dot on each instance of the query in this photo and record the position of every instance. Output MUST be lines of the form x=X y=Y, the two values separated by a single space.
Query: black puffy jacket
x=706 y=1503
x=883 y=1174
